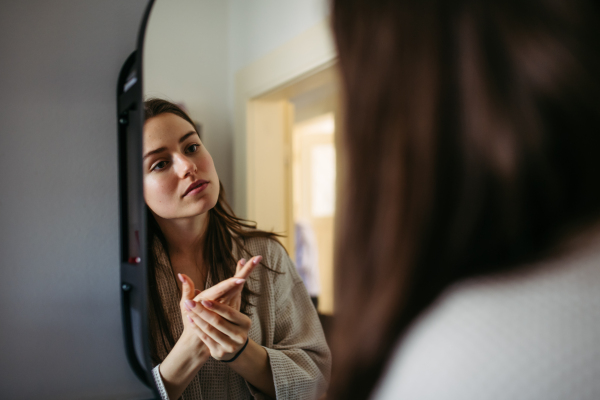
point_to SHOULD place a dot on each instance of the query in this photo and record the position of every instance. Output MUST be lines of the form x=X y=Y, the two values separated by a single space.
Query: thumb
x=187 y=287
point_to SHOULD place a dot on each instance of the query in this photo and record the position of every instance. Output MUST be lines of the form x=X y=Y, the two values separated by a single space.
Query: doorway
x=292 y=173
x=314 y=182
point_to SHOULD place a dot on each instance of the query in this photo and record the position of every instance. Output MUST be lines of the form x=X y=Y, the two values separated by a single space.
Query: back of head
x=471 y=133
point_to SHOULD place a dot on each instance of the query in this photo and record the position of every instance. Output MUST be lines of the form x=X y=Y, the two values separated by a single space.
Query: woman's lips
x=196 y=187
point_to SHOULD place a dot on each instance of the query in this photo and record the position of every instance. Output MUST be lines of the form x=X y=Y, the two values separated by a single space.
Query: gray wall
x=60 y=327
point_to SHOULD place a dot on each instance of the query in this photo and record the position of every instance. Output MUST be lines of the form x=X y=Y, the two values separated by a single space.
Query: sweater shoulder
x=274 y=254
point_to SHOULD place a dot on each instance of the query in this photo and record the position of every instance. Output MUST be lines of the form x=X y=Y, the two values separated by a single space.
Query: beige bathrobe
x=284 y=322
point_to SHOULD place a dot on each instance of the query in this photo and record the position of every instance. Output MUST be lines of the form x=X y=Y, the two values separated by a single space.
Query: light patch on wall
x=324 y=125
x=323 y=180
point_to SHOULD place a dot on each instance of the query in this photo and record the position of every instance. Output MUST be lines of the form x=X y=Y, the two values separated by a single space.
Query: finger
x=216 y=350
x=195 y=328
x=239 y=265
x=230 y=296
x=226 y=342
x=220 y=289
x=232 y=329
x=197 y=292
x=228 y=315
x=187 y=287
x=248 y=267
x=213 y=346
x=188 y=320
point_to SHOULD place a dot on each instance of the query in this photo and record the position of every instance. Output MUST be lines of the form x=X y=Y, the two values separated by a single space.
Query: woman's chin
x=189 y=210
x=198 y=210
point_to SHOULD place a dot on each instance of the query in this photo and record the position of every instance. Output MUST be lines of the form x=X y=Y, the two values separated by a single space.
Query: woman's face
x=180 y=179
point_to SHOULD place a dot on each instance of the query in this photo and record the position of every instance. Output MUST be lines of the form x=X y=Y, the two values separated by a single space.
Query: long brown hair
x=224 y=229
x=472 y=132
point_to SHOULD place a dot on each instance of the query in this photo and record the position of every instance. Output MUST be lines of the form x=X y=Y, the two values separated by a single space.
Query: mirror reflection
x=240 y=176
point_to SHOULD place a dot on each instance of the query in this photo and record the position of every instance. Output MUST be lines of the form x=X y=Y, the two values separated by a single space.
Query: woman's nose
x=184 y=166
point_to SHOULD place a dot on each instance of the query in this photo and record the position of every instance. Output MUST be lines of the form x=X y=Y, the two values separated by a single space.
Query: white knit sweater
x=533 y=334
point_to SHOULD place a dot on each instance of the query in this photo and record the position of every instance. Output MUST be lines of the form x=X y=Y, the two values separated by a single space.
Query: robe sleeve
x=159 y=383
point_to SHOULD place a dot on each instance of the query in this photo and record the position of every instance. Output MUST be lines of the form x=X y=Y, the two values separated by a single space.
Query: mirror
x=259 y=83
x=132 y=216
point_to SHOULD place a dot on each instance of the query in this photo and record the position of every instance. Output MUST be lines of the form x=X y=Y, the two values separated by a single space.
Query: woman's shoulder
x=277 y=274
x=274 y=254
x=521 y=320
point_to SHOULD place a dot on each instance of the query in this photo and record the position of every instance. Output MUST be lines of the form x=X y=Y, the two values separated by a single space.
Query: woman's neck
x=185 y=236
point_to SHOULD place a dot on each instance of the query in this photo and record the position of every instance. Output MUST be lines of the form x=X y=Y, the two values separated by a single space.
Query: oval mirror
x=259 y=83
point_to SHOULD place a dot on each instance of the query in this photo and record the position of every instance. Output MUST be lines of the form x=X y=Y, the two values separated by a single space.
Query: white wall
x=258 y=27
x=186 y=60
x=60 y=315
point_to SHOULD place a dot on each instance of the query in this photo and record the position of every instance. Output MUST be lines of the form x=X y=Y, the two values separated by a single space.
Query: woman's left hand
x=223 y=329
x=227 y=292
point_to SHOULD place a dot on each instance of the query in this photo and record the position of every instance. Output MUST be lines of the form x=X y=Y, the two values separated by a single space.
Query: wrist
x=193 y=346
x=182 y=363
x=238 y=353
x=187 y=356
x=254 y=365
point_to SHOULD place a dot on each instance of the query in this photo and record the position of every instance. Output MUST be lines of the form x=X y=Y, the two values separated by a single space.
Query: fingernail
x=181 y=278
x=257 y=260
x=190 y=303
x=190 y=319
x=207 y=304
x=240 y=281
x=242 y=261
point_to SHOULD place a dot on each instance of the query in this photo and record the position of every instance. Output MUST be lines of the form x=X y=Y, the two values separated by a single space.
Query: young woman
x=255 y=333
x=470 y=231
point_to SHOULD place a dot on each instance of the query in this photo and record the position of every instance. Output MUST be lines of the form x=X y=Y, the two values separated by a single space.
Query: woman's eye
x=159 y=166
x=193 y=148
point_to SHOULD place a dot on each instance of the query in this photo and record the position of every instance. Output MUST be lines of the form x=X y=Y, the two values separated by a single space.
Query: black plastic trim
x=133 y=258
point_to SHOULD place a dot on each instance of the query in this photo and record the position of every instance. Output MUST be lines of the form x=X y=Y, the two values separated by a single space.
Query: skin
x=212 y=321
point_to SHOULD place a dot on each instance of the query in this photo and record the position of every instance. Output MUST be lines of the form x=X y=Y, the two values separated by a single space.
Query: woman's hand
x=214 y=316
x=189 y=353
x=229 y=291
x=223 y=329
x=187 y=293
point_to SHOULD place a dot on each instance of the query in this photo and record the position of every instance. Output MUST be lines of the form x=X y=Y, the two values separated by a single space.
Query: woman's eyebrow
x=154 y=152
x=181 y=140
x=187 y=135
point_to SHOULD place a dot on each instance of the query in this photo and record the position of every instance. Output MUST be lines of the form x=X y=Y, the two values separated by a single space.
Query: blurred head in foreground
x=474 y=131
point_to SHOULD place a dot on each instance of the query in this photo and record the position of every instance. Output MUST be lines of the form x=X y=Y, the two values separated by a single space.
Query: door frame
x=279 y=75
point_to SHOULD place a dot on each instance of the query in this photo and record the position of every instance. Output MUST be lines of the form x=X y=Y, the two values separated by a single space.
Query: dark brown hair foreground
x=472 y=134
x=224 y=229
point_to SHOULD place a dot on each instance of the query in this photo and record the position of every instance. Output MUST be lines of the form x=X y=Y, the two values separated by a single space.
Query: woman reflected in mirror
x=470 y=228
x=230 y=317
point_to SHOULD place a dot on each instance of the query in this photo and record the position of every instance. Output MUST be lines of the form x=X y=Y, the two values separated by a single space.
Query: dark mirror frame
x=133 y=234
